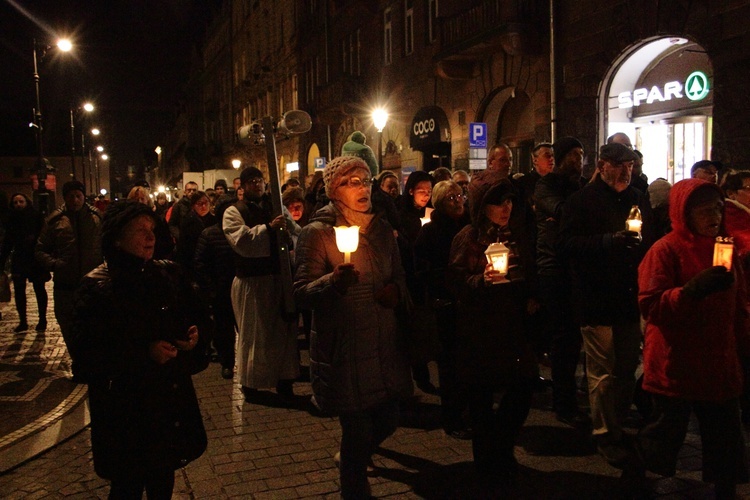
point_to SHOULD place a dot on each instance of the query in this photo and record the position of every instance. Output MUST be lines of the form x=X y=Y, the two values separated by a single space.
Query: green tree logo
x=696 y=86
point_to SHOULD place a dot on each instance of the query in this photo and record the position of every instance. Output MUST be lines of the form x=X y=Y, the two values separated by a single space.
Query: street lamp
x=42 y=195
x=236 y=163
x=379 y=119
x=87 y=107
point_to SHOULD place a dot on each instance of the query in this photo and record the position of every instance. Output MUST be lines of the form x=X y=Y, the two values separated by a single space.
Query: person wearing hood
x=493 y=354
x=355 y=146
x=22 y=230
x=358 y=365
x=697 y=331
x=737 y=211
x=138 y=330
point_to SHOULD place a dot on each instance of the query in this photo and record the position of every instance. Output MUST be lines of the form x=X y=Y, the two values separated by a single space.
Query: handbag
x=4 y=287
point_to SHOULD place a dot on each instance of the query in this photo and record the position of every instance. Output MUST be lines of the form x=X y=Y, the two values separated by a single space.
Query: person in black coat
x=191 y=227
x=431 y=254
x=214 y=272
x=22 y=230
x=137 y=323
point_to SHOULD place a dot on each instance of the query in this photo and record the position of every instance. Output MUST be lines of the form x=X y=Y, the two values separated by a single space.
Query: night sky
x=131 y=58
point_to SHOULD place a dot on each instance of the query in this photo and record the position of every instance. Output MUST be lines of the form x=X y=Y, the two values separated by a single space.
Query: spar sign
x=695 y=88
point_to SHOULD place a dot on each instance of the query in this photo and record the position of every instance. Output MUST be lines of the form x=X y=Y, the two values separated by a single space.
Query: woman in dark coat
x=412 y=206
x=493 y=352
x=136 y=325
x=22 y=230
x=431 y=253
x=358 y=366
x=197 y=219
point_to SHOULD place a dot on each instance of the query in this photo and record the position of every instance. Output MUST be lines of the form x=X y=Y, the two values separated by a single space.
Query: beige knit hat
x=339 y=167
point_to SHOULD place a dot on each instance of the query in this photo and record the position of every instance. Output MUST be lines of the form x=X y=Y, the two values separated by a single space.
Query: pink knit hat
x=339 y=167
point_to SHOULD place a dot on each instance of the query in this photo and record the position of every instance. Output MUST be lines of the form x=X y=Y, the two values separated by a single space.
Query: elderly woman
x=136 y=325
x=358 y=366
x=493 y=353
x=431 y=253
x=164 y=248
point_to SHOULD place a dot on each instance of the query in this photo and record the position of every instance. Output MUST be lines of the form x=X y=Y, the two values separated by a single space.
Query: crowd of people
x=148 y=292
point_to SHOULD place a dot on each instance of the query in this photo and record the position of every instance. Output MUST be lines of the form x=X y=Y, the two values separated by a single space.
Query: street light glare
x=88 y=107
x=379 y=118
x=65 y=45
x=95 y=131
x=105 y=157
x=100 y=148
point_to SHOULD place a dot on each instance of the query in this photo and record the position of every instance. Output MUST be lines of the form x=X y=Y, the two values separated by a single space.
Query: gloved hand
x=711 y=280
x=388 y=296
x=344 y=276
x=626 y=239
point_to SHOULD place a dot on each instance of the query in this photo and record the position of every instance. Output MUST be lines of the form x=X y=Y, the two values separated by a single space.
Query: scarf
x=354 y=218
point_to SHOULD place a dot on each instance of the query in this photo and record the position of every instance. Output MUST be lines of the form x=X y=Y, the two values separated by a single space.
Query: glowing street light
x=87 y=107
x=379 y=119
x=65 y=45
x=236 y=163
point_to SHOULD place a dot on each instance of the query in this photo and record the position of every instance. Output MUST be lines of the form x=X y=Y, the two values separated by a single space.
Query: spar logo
x=695 y=88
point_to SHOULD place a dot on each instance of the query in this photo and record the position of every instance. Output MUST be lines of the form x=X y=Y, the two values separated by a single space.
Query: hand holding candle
x=634 y=221
x=347 y=240
x=497 y=256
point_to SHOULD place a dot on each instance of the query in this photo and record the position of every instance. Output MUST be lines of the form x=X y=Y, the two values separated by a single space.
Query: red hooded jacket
x=692 y=346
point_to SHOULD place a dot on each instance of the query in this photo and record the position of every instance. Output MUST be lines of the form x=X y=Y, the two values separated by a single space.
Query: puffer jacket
x=692 y=346
x=357 y=356
x=70 y=245
x=493 y=349
x=144 y=416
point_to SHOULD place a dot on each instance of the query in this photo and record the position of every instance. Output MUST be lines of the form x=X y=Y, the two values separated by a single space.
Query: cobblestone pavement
x=260 y=452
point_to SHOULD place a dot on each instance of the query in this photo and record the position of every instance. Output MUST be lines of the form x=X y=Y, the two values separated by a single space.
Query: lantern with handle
x=347 y=240
x=634 y=221
x=497 y=255
x=723 y=249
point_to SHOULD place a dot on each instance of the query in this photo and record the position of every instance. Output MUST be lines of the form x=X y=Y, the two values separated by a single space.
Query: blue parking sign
x=477 y=135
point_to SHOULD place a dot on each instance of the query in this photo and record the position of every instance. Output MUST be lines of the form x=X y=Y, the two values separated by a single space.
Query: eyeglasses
x=356 y=183
x=456 y=197
x=256 y=181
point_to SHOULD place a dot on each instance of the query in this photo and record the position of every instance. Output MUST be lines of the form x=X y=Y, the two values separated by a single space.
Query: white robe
x=267 y=343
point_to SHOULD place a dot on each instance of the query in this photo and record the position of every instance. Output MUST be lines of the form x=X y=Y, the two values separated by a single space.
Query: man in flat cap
x=70 y=246
x=603 y=258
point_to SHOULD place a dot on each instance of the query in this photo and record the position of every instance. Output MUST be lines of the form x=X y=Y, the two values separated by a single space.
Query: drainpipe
x=552 y=91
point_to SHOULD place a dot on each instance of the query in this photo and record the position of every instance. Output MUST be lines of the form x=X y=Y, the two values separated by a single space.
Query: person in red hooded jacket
x=696 y=333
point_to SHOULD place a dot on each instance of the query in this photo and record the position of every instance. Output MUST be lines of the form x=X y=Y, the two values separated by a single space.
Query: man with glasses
x=267 y=354
x=181 y=209
x=706 y=170
x=604 y=257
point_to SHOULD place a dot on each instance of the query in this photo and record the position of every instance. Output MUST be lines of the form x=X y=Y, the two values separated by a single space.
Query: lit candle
x=347 y=240
x=497 y=255
x=634 y=225
x=723 y=249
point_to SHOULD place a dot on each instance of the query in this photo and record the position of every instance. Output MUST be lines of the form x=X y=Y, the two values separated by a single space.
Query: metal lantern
x=634 y=221
x=497 y=255
x=347 y=240
x=723 y=249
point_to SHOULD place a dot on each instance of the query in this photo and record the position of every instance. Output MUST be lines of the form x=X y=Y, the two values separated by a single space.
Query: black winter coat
x=144 y=416
x=22 y=231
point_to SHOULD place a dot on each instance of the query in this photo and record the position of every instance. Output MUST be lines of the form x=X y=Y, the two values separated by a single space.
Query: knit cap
x=562 y=147
x=338 y=168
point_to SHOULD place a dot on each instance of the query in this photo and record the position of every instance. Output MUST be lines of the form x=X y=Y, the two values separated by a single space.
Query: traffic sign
x=477 y=135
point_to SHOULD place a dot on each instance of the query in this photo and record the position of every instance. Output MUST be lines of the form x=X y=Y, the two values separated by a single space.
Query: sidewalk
x=264 y=452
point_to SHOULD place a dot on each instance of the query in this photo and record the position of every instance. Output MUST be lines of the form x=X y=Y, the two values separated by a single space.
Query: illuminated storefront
x=660 y=94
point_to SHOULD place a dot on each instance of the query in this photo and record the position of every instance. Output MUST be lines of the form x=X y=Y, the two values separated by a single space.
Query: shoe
x=21 y=328
x=616 y=454
x=575 y=419
x=372 y=471
x=41 y=326
x=227 y=373
x=463 y=434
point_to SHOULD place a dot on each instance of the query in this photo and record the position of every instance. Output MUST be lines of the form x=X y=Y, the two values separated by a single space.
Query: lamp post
x=42 y=198
x=379 y=119
x=87 y=107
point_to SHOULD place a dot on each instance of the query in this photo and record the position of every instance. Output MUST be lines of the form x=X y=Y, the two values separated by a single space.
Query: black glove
x=711 y=280
x=626 y=239
x=344 y=276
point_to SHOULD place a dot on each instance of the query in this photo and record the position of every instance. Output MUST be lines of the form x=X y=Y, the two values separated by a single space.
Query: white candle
x=347 y=240
x=634 y=225
x=723 y=250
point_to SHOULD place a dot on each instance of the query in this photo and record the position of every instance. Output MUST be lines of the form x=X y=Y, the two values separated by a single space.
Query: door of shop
x=671 y=147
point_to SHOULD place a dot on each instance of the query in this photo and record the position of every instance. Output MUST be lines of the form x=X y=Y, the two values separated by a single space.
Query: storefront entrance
x=660 y=94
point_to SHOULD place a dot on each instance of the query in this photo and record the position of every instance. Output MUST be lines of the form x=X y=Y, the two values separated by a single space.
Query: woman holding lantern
x=358 y=366
x=493 y=305
x=692 y=295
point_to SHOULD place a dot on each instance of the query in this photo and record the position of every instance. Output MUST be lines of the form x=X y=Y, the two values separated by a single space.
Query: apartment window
x=432 y=22
x=387 y=37
x=408 y=26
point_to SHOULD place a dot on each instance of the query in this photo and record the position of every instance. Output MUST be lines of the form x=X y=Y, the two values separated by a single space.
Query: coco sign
x=426 y=127
x=695 y=88
x=423 y=128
